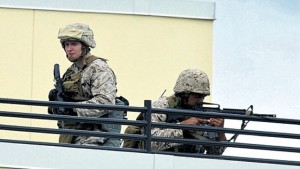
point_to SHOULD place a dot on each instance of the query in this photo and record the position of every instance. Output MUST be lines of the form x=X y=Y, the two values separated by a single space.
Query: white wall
x=256 y=60
x=34 y=156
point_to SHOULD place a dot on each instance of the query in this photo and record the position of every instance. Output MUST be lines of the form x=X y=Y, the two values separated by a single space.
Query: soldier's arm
x=103 y=88
x=217 y=150
x=158 y=132
x=218 y=122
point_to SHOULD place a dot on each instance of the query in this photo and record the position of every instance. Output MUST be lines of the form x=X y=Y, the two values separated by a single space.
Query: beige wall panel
x=16 y=53
x=147 y=53
x=16 y=69
x=144 y=51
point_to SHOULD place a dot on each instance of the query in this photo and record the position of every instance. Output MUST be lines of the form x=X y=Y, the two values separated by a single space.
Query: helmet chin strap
x=85 y=50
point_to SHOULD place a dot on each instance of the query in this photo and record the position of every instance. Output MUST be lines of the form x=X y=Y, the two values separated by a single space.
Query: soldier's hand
x=218 y=122
x=52 y=110
x=70 y=112
x=52 y=96
x=194 y=121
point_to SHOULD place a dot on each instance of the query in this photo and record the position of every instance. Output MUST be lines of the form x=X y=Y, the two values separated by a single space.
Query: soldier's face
x=73 y=50
x=195 y=99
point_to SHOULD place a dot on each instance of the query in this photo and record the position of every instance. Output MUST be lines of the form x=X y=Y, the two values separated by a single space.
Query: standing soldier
x=88 y=80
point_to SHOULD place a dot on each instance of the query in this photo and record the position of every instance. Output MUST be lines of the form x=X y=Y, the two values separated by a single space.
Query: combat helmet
x=77 y=31
x=192 y=81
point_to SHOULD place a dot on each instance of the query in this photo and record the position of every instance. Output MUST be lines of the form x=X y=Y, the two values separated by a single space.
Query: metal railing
x=148 y=125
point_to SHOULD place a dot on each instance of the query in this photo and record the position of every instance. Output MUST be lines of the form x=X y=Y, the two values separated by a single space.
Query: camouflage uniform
x=162 y=103
x=97 y=85
x=190 y=80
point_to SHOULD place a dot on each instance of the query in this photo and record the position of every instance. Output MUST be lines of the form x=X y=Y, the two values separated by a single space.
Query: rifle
x=216 y=108
x=212 y=107
x=59 y=88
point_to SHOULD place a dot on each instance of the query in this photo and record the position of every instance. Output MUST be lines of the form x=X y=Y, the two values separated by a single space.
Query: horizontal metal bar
x=71 y=105
x=141 y=137
x=72 y=132
x=143 y=123
x=225 y=115
x=72 y=145
x=96 y=120
x=154 y=110
x=226 y=130
x=226 y=144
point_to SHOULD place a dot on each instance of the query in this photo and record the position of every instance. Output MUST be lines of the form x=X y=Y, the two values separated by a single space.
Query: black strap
x=248 y=112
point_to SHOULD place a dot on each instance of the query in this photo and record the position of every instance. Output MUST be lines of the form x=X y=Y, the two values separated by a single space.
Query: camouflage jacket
x=98 y=83
x=164 y=102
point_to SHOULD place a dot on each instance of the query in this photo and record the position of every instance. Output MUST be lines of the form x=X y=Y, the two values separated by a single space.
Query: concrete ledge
x=15 y=155
x=171 y=8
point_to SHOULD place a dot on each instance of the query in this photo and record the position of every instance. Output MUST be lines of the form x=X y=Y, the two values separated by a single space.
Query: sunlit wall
x=146 y=51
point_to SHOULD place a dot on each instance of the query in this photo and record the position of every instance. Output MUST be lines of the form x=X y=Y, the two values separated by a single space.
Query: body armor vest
x=73 y=92
x=72 y=82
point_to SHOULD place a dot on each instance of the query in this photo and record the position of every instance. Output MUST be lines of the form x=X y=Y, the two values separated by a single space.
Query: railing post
x=147 y=104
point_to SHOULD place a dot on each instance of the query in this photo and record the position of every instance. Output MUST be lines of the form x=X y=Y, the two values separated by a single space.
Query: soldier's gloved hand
x=52 y=96
x=70 y=112
x=52 y=110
